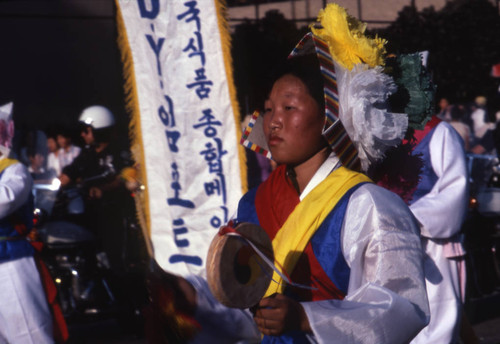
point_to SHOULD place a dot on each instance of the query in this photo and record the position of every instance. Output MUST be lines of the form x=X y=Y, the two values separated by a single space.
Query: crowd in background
x=479 y=128
x=46 y=153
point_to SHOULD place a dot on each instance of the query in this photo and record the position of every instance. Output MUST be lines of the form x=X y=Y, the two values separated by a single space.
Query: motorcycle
x=87 y=286
x=482 y=225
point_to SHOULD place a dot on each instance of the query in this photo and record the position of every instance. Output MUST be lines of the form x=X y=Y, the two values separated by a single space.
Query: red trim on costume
x=307 y=267
x=60 y=329
x=274 y=202
x=420 y=134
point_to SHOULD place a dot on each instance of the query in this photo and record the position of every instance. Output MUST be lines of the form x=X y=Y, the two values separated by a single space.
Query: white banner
x=186 y=126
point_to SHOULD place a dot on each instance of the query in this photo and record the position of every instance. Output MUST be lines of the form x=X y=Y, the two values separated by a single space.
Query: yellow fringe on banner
x=220 y=6
x=137 y=149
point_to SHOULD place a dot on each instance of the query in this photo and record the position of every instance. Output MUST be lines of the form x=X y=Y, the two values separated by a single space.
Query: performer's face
x=293 y=122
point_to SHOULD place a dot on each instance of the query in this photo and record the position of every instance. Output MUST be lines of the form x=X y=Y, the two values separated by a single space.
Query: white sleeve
x=221 y=324
x=386 y=300
x=442 y=211
x=15 y=187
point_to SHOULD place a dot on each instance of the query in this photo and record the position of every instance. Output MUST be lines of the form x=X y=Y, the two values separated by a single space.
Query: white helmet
x=98 y=117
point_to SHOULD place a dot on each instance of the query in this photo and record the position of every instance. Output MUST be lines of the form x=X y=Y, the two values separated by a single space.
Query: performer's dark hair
x=307 y=69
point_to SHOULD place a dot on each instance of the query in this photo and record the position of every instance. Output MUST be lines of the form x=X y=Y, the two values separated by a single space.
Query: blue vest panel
x=428 y=176
x=16 y=248
x=326 y=244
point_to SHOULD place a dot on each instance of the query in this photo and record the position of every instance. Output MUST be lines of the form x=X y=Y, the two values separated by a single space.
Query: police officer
x=96 y=166
x=97 y=169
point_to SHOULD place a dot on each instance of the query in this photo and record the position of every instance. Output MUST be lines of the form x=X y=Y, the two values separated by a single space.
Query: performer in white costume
x=352 y=248
x=385 y=300
x=24 y=311
x=440 y=204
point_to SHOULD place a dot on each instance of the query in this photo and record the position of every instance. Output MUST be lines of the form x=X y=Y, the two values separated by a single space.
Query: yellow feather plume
x=346 y=39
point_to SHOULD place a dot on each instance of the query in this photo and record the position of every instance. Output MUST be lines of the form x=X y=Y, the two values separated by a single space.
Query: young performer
x=351 y=248
x=353 y=243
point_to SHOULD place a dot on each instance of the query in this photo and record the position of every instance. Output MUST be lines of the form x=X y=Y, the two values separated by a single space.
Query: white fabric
x=386 y=300
x=323 y=171
x=189 y=128
x=221 y=324
x=66 y=157
x=479 y=123
x=24 y=312
x=363 y=110
x=53 y=164
x=449 y=194
x=15 y=186
x=441 y=213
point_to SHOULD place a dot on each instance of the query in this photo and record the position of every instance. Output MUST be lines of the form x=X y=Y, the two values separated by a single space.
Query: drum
x=236 y=274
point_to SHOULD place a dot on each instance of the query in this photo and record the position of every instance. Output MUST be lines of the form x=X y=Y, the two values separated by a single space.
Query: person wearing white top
x=67 y=151
x=53 y=164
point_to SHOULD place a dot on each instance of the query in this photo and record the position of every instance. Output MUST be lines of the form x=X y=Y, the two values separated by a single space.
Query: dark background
x=58 y=57
x=463 y=40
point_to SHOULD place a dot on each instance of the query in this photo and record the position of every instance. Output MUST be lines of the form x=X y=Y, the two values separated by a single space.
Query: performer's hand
x=279 y=314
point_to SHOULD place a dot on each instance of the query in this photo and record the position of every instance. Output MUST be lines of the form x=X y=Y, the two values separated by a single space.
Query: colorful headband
x=358 y=126
x=333 y=131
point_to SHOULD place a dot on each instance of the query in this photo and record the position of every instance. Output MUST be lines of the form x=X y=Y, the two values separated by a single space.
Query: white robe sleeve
x=443 y=209
x=221 y=324
x=386 y=300
x=15 y=187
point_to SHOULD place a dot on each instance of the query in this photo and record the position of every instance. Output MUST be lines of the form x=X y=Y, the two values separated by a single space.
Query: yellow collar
x=293 y=236
x=6 y=162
